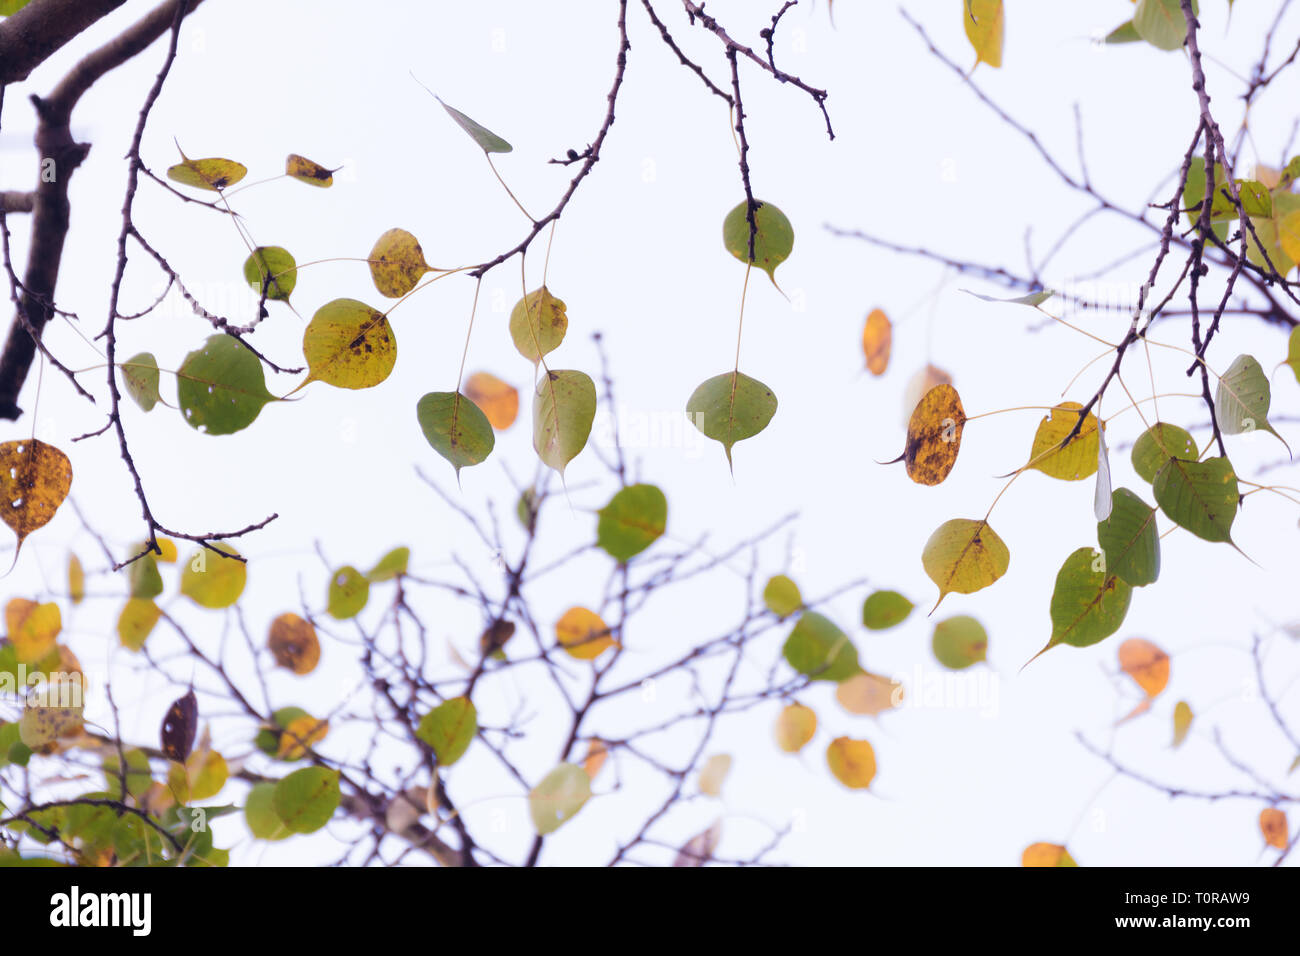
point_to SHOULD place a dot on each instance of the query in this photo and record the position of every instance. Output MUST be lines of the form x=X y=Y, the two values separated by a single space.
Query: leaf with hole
x=1157 y=445
x=179 y=727
x=349 y=590
x=221 y=386
x=34 y=480
x=1074 y=461
x=558 y=797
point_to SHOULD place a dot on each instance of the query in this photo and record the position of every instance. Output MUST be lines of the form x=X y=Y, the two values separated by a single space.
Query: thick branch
x=29 y=36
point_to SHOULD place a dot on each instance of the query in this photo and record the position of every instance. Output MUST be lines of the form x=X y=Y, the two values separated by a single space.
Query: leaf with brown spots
x=397 y=263
x=293 y=644
x=348 y=345
x=304 y=170
x=213 y=174
x=34 y=480
x=934 y=436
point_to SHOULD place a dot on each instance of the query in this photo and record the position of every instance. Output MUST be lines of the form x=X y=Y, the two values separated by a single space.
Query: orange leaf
x=1145 y=663
x=877 y=336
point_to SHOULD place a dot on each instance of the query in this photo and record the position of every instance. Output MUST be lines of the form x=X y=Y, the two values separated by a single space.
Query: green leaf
x=538 y=323
x=390 y=565
x=1255 y=200
x=449 y=728
x=307 y=798
x=885 y=609
x=1157 y=445
x=212 y=580
x=781 y=595
x=141 y=378
x=964 y=556
x=136 y=622
x=260 y=815
x=348 y=592
x=959 y=642
x=10 y=7
x=1031 y=299
x=563 y=410
x=558 y=797
x=731 y=407
x=397 y=263
x=1124 y=33
x=1242 y=398
x=348 y=345
x=632 y=521
x=274 y=268
x=213 y=174
x=456 y=428
x=1200 y=496
x=221 y=386
x=1088 y=604
x=773 y=241
x=1129 y=539
x=1194 y=194
x=1293 y=352
x=819 y=649
x=487 y=140
x=1161 y=23
x=142 y=573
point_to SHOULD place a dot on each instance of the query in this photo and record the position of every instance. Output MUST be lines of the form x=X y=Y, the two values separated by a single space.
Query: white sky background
x=638 y=256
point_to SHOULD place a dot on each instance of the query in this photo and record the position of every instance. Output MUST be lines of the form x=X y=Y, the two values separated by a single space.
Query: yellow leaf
x=985 y=24
x=1146 y=664
x=293 y=644
x=964 y=556
x=498 y=400
x=53 y=709
x=76 y=580
x=213 y=580
x=795 y=727
x=538 y=323
x=397 y=263
x=136 y=621
x=877 y=336
x=869 y=694
x=304 y=170
x=1273 y=824
x=166 y=551
x=348 y=344
x=213 y=174
x=713 y=773
x=302 y=732
x=852 y=761
x=1046 y=854
x=1182 y=722
x=597 y=753
x=582 y=633
x=934 y=436
x=34 y=480
x=1078 y=459
x=33 y=628
x=1288 y=235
